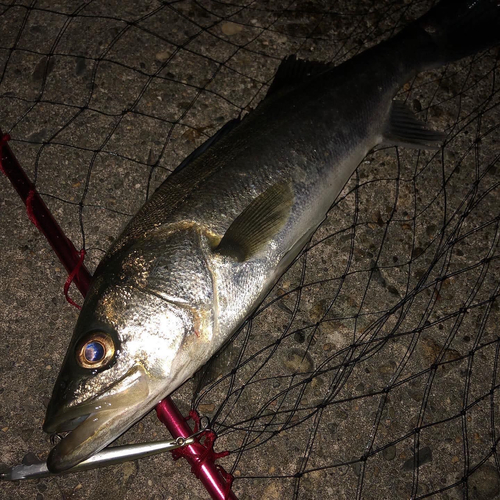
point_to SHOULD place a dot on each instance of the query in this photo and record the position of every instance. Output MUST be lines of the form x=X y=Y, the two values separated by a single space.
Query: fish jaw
x=98 y=422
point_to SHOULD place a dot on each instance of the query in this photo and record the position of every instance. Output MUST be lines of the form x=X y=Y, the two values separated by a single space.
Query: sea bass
x=202 y=253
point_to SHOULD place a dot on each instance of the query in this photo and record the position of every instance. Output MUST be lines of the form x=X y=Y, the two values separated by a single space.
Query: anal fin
x=405 y=129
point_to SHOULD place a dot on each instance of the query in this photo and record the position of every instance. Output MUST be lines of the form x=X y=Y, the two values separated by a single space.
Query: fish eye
x=95 y=350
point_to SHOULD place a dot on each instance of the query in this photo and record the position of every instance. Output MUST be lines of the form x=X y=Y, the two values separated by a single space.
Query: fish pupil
x=94 y=352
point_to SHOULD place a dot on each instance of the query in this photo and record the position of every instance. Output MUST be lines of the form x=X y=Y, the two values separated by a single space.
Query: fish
x=207 y=247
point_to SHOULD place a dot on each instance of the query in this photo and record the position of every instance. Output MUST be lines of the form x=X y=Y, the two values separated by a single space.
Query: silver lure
x=109 y=456
x=106 y=457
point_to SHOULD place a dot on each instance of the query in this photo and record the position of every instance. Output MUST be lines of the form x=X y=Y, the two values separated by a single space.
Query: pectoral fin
x=258 y=223
x=405 y=129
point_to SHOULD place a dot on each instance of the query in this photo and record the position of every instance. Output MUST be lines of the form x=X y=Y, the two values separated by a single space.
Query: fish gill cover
x=371 y=369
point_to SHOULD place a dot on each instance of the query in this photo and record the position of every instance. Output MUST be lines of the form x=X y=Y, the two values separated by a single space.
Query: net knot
x=207 y=453
x=71 y=277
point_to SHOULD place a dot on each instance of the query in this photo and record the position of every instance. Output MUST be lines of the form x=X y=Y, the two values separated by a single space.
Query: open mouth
x=96 y=423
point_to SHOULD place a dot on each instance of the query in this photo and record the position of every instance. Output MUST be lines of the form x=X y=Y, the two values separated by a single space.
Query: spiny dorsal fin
x=405 y=129
x=292 y=72
x=258 y=223
x=222 y=132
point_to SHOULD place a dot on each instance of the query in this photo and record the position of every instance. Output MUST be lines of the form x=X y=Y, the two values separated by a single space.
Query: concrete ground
x=371 y=369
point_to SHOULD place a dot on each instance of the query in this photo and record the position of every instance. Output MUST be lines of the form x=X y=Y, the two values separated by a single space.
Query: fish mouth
x=94 y=424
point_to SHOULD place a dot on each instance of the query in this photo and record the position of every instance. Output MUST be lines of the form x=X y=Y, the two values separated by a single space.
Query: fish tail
x=450 y=31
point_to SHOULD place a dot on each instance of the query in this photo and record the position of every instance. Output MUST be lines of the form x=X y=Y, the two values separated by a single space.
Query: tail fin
x=453 y=29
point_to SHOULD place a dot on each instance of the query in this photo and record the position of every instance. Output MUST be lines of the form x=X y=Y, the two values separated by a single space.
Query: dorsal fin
x=292 y=72
x=223 y=131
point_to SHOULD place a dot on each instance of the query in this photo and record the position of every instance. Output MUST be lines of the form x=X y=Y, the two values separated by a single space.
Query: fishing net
x=371 y=369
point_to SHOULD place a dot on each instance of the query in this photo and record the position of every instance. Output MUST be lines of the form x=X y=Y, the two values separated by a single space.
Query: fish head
x=120 y=363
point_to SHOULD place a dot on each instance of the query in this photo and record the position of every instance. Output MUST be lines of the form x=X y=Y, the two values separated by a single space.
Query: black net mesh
x=371 y=370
